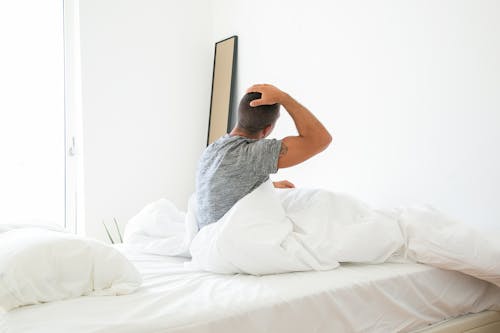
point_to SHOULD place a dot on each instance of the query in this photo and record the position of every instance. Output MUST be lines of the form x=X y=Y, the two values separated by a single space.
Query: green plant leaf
x=107 y=231
x=118 y=230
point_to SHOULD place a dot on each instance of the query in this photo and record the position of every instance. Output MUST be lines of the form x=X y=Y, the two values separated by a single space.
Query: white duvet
x=276 y=231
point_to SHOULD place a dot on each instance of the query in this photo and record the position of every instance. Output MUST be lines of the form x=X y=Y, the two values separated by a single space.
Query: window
x=32 y=112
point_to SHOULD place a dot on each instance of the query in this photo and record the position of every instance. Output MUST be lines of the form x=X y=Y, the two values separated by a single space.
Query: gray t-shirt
x=229 y=169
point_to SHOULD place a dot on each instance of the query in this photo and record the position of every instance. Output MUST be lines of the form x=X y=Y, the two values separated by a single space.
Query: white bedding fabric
x=277 y=231
x=353 y=298
x=41 y=265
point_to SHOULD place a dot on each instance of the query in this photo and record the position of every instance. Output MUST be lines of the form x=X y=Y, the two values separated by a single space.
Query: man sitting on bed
x=240 y=161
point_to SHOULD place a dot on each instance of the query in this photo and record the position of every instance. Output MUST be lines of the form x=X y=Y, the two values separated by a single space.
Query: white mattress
x=352 y=298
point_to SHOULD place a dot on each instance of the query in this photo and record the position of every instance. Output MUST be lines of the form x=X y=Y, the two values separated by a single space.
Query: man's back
x=229 y=169
x=240 y=161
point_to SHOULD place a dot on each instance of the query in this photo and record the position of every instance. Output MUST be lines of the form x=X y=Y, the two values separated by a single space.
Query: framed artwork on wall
x=221 y=118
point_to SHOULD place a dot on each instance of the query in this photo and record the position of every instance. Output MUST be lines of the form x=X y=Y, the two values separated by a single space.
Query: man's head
x=259 y=120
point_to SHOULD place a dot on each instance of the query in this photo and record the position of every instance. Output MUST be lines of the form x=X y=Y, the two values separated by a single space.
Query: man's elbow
x=321 y=143
x=326 y=140
x=329 y=139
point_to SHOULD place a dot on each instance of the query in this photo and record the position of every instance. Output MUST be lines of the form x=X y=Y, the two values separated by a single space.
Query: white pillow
x=39 y=265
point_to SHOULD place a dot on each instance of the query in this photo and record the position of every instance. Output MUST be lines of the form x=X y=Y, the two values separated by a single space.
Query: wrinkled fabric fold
x=273 y=231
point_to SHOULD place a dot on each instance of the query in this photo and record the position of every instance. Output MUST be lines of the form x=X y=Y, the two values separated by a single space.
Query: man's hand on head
x=270 y=95
x=283 y=184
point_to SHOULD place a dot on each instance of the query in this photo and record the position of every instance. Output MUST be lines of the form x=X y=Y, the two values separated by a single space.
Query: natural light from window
x=32 y=112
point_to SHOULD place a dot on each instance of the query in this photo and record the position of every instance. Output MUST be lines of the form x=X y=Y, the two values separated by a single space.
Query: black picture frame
x=222 y=116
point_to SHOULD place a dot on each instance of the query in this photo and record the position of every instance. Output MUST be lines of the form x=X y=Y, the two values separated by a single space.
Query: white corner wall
x=409 y=89
x=146 y=77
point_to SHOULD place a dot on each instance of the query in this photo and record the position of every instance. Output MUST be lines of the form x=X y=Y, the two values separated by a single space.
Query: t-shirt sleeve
x=264 y=155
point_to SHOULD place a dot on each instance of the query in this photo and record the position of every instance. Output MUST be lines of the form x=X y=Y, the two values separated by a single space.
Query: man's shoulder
x=239 y=144
x=234 y=139
x=227 y=142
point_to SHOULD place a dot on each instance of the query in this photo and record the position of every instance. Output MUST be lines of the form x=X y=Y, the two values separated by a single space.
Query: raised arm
x=313 y=137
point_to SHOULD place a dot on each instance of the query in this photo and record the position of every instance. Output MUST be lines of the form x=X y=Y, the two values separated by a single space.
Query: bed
x=388 y=297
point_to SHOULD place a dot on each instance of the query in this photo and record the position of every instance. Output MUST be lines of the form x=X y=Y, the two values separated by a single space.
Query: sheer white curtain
x=32 y=121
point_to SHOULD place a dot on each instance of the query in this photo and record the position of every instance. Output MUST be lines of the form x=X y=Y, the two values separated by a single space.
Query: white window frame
x=74 y=199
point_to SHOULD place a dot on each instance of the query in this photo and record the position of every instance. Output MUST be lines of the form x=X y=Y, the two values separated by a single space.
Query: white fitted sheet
x=353 y=298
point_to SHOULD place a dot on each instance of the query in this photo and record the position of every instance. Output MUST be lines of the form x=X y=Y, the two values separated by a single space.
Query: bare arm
x=283 y=184
x=313 y=137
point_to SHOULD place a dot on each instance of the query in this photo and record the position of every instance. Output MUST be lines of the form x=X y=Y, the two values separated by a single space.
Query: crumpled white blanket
x=276 y=231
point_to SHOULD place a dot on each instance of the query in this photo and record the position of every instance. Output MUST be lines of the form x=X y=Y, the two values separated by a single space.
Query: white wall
x=409 y=90
x=146 y=77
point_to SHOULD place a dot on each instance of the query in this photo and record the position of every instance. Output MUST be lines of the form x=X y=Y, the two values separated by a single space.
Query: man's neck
x=239 y=132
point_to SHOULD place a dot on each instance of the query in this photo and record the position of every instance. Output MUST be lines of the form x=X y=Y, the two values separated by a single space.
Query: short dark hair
x=253 y=119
